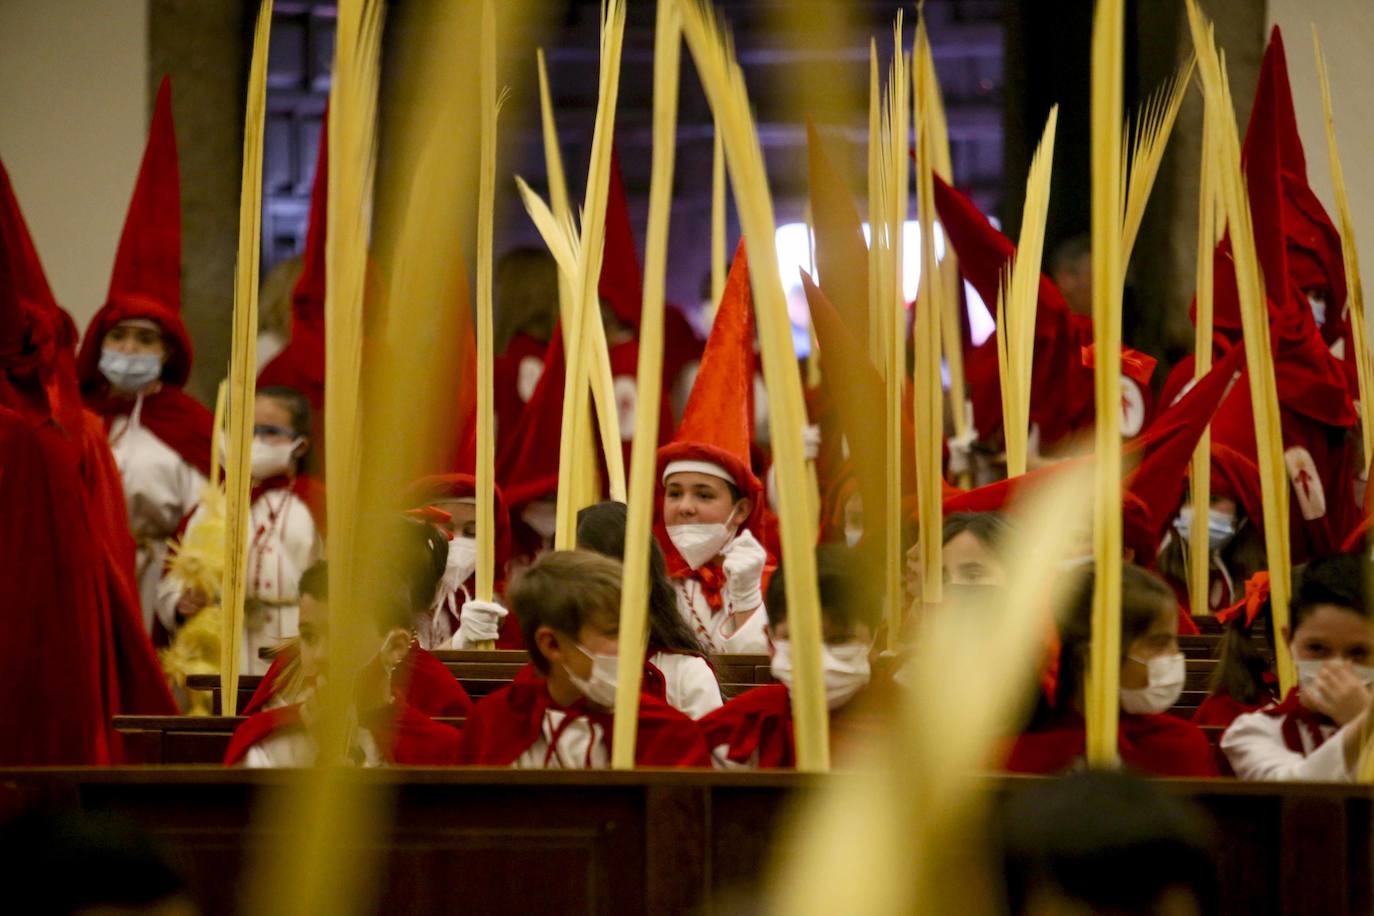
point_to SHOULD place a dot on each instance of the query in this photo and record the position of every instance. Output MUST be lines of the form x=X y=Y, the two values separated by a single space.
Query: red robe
x=1159 y=745
x=760 y=721
x=422 y=681
x=406 y=736
x=52 y=690
x=170 y=414
x=506 y=403
x=503 y=725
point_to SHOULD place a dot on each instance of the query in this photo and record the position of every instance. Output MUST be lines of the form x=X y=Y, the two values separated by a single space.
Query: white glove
x=811 y=441
x=743 y=567
x=479 y=621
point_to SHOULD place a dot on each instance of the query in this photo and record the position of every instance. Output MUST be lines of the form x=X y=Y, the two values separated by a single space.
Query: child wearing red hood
x=557 y=713
x=1153 y=671
x=390 y=731
x=754 y=730
x=136 y=356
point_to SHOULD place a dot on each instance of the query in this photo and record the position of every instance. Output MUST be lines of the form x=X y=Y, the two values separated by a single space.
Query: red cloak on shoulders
x=503 y=725
x=1160 y=745
x=407 y=736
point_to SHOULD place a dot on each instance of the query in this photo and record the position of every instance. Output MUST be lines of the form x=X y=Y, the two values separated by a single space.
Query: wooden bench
x=512 y=842
x=185 y=740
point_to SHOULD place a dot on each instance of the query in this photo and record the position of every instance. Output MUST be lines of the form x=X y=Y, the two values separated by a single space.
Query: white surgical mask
x=1221 y=526
x=600 y=687
x=1318 y=304
x=853 y=534
x=130 y=372
x=271 y=459
x=701 y=542
x=461 y=562
x=844 y=667
x=542 y=516
x=1307 y=672
x=1166 y=676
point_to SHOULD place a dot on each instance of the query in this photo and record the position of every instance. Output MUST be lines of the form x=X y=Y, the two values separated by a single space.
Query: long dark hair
x=601 y=529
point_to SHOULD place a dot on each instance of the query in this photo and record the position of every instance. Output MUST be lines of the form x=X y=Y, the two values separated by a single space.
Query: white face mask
x=1166 y=676
x=700 y=543
x=130 y=372
x=1221 y=527
x=461 y=563
x=1307 y=672
x=542 y=516
x=844 y=667
x=853 y=534
x=1318 y=305
x=272 y=459
x=600 y=687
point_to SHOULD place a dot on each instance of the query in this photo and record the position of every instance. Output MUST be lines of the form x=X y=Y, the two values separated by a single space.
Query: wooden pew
x=512 y=842
x=185 y=740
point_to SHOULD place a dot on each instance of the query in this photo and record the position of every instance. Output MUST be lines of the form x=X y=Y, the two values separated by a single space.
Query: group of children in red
x=106 y=433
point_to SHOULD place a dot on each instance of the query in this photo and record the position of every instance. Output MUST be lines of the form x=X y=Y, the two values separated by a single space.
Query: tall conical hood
x=300 y=364
x=146 y=282
x=715 y=426
x=621 y=284
x=841 y=252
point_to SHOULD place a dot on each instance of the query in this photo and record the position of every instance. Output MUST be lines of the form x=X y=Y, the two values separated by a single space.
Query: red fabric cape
x=760 y=719
x=171 y=414
x=1221 y=709
x=407 y=736
x=503 y=725
x=423 y=682
x=1160 y=745
x=52 y=705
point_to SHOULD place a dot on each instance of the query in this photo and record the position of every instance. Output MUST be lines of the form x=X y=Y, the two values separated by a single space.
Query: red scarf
x=1297 y=719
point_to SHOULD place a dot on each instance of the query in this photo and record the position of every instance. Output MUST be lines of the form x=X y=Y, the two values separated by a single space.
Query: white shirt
x=1255 y=747
x=287 y=748
x=581 y=745
x=692 y=688
x=160 y=487
x=283 y=544
x=709 y=625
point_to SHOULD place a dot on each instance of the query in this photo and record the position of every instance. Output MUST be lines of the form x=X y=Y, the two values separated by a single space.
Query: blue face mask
x=130 y=372
x=1221 y=527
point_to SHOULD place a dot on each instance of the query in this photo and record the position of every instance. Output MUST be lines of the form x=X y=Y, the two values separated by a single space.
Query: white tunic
x=709 y=625
x=160 y=487
x=296 y=748
x=581 y=745
x=283 y=544
x=692 y=688
x=1255 y=747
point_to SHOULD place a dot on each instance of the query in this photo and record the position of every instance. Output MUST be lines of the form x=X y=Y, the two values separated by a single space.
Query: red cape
x=503 y=725
x=1220 y=709
x=52 y=705
x=1159 y=745
x=171 y=414
x=760 y=720
x=423 y=682
x=407 y=737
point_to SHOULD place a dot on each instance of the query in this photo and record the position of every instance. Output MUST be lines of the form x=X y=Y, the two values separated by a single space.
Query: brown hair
x=526 y=296
x=564 y=590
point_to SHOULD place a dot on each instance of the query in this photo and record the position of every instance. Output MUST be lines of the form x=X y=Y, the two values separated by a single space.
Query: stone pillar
x=205 y=48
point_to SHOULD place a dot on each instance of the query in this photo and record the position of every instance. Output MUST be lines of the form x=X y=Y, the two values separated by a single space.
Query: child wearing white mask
x=1314 y=733
x=1153 y=672
x=717 y=563
x=557 y=712
x=284 y=535
x=754 y=730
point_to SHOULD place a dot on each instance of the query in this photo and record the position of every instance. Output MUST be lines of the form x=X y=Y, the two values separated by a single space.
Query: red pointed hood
x=841 y=252
x=442 y=487
x=300 y=364
x=146 y=282
x=716 y=423
x=621 y=285
x=527 y=467
x=30 y=328
x=1287 y=214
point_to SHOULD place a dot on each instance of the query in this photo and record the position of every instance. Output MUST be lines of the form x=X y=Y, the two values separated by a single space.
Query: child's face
x=272 y=421
x=831 y=633
x=1333 y=632
x=314 y=624
x=690 y=498
x=462 y=518
x=968 y=561
x=601 y=637
x=1161 y=639
x=133 y=339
